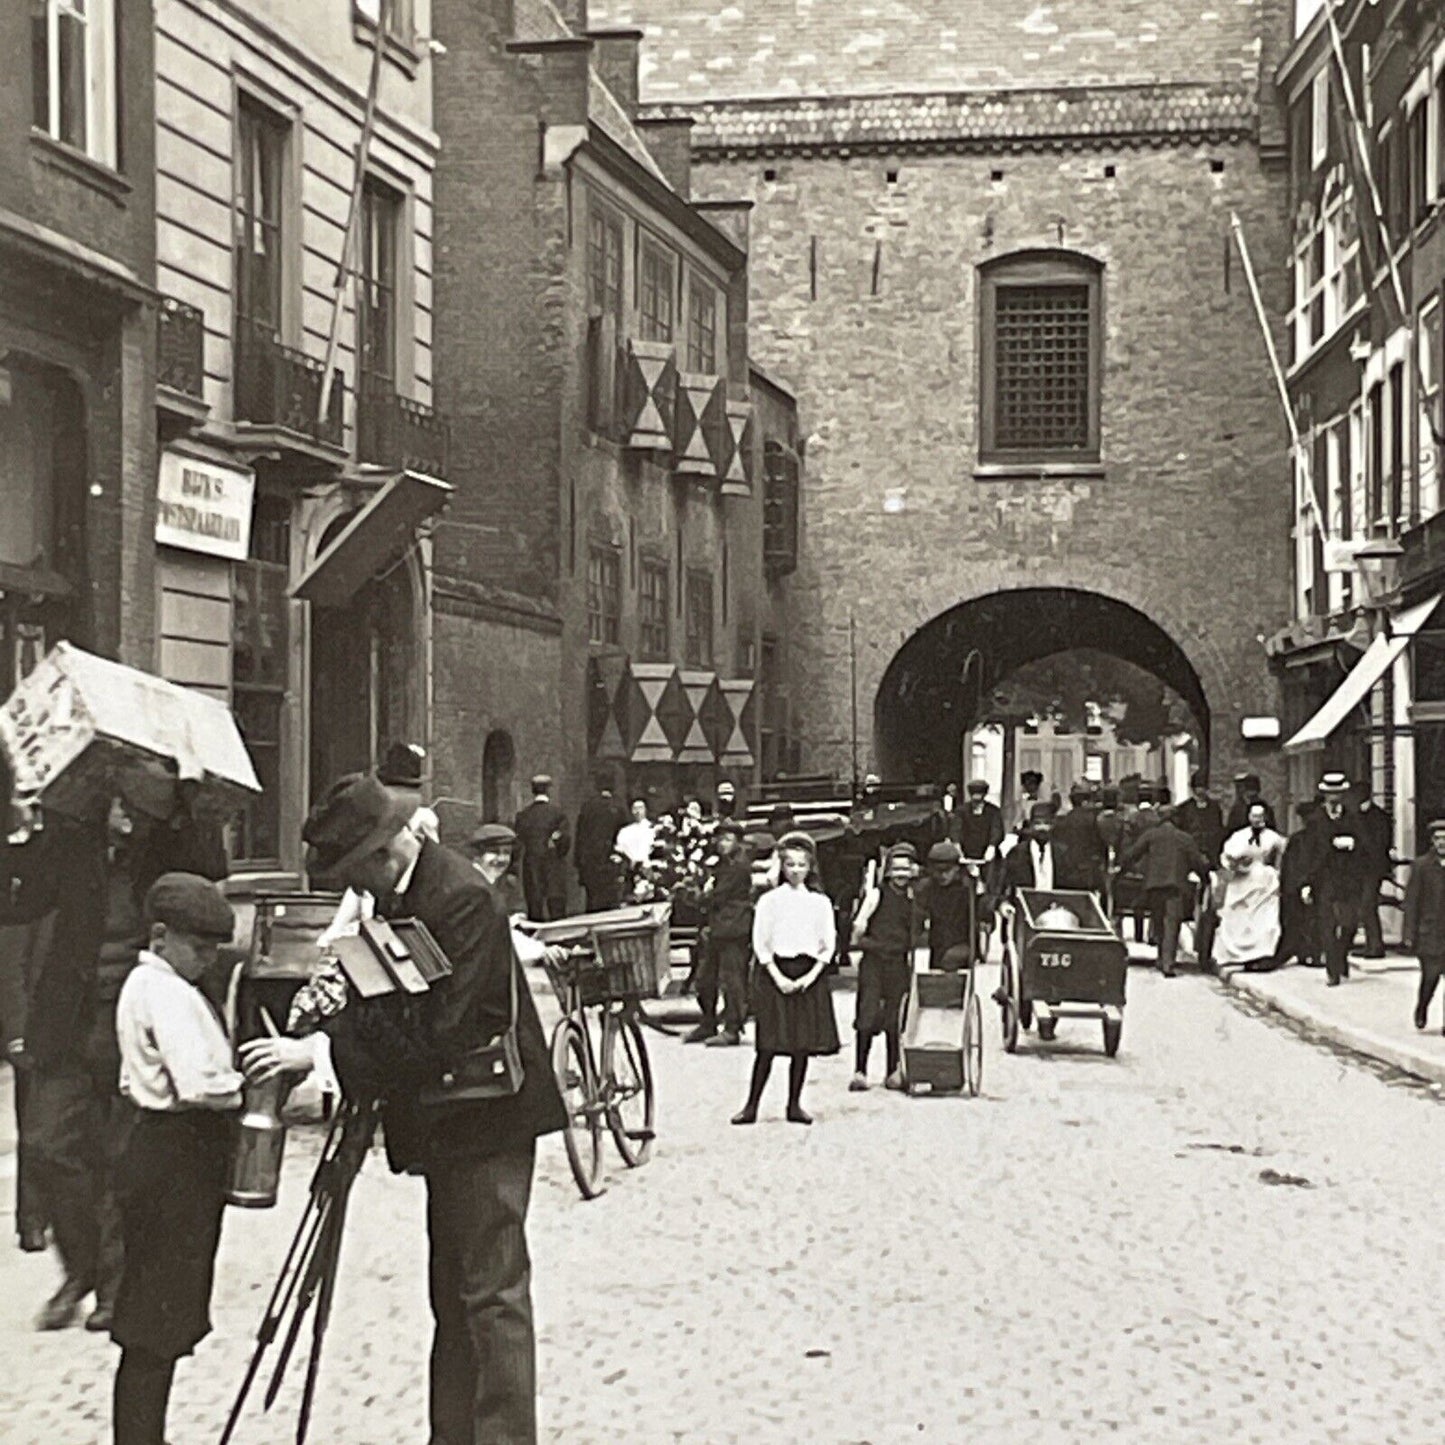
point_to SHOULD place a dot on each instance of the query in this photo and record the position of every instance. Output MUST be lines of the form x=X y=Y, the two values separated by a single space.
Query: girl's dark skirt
x=794 y=1023
x=171 y=1189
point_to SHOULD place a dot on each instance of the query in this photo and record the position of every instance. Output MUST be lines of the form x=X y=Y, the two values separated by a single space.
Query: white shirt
x=790 y=922
x=356 y=907
x=173 y=1052
x=1043 y=856
x=635 y=842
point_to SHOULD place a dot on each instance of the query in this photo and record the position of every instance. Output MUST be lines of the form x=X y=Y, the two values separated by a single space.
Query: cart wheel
x=972 y=1043
x=902 y=1053
x=1048 y=1029
x=572 y=1068
x=627 y=1074
x=1113 y=1032
x=1010 y=1008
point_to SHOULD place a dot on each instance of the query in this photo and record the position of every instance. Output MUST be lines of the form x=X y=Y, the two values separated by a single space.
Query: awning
x=1381 y=654
x=379 y=532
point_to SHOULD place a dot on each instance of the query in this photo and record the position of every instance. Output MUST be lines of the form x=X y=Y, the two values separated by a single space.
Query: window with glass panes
x=652 y=614
x=655 y=293
x=73 y=75
x=701 y=327
x=604 y=595
x=1040 y=359
x=376 y=282
x=698 y=619
x=261 y=140
x=260 y=630
x=604 y=262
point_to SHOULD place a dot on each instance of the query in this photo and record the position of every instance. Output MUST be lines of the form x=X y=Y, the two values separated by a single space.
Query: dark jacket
x=545 y=838
x=948 y=911
x=1376 y=836
x=1018 y=867
x=1080 y=856
x=730 y=902
x=977 y=833
x=893 y=929
x=598 y=822
x=67 y=870
x=1424 y=928
x=1333 y=860
x=460 y=1013
x=1164 y=856
x=1204 y=822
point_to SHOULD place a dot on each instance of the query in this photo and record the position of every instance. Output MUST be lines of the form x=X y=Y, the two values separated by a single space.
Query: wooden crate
x=933 y=1041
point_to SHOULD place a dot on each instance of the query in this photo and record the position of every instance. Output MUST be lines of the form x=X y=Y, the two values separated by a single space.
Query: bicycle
x=602 y=1066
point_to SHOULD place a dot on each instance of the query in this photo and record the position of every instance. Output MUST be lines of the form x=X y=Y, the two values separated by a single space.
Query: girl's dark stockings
x=797 y=1077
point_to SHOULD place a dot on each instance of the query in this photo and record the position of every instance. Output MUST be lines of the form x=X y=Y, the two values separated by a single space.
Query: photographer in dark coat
x=478 y=1155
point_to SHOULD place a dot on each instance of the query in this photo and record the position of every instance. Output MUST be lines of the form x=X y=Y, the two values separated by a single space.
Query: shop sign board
x=204 y=506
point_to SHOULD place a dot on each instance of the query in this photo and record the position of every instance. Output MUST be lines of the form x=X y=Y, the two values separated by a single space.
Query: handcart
x=942 y=1020
x=614 y=961
x=1053 y=969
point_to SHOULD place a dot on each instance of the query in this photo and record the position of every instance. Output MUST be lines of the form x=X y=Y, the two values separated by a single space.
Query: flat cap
x=492 y=835
x=1041 y=813
x=945 y=852
x=978 y=785
x=190 y=904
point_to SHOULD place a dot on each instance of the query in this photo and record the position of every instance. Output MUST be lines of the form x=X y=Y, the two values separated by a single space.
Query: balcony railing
x=181 y=348
x=394 y=431
x=278 y=386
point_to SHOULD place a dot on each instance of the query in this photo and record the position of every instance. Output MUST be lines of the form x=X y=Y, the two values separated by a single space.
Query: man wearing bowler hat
x=1333 y=868
x=545 y=839
x=477 y=1155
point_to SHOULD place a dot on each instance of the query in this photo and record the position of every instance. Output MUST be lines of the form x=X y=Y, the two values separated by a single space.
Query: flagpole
x=1302 y=458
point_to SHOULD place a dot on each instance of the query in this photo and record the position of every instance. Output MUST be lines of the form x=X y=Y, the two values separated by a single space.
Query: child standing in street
x=176 y=1068
x=794 y=937
x=886 y=930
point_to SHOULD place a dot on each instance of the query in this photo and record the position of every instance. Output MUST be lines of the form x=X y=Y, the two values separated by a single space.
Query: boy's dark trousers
x=1432 y=967
x=724 y=968
x=1370 y=917
x=883 y=980
x=1166 y=910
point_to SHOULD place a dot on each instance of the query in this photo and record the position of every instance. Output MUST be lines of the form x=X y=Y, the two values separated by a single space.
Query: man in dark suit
x=1202 y=818
x=541 y=829
x=1333 y=870
x=477 y=1155
x=1079 y=851
x=1376 y=838
x=1032 y=863
x=1424 y=930
x=979 y=824
x=599 y=820
x=1165 y=856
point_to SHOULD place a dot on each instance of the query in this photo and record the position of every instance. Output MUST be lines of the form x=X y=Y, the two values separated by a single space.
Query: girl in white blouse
x=794 y=937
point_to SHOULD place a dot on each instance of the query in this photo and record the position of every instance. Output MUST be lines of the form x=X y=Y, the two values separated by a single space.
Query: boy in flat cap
x=886 y=931
x=176 y=1068
x=1424 y=930
x=728 y=903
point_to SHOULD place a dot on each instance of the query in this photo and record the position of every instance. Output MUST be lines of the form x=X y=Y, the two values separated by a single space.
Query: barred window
x=655 y=294
x=652 y=611
x=604 y=595
x=1040 y=361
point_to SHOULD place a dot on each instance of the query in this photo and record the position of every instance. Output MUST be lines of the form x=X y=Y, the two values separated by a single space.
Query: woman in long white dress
x=1248 y=930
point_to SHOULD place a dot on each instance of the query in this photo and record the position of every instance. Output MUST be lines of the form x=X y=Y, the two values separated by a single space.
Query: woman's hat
x=797 y=839
x=357 y=815
x=1333 y=785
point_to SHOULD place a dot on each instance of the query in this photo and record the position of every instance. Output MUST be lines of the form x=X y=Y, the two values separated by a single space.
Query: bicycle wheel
x=582 y=1133
x=627 y=1090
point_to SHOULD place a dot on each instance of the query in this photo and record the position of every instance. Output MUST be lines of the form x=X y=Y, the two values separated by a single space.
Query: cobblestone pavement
x=1092 y=1250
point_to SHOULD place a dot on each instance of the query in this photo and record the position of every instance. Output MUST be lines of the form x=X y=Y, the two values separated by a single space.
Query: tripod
x=308 y=1275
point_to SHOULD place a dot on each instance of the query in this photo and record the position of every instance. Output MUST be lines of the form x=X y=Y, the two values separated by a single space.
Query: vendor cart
x=943 y=1033
x=1061 y=959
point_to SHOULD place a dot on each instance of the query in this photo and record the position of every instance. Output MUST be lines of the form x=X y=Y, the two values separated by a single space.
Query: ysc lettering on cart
x=1056 y=960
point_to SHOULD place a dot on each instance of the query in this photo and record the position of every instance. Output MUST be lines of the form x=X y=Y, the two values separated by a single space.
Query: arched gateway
x=938 y=683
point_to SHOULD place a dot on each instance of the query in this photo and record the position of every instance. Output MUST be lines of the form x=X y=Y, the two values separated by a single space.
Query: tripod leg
x=318 y=1336
x=305 y=1293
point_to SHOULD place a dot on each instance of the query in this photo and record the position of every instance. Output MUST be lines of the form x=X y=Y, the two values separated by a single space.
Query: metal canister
x=260 y=1142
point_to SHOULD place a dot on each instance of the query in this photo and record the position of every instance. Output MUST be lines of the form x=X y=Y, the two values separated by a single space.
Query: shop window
x=604 y=596
x=699 y=620
x=701 y=327
x=604 y=262
x=376 y=310
x=260 y=637
x=1040 y=363
x=655 y=295
x=73 y=75
x=652 y=605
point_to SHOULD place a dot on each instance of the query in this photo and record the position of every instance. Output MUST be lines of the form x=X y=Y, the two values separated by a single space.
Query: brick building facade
x=77 y=331
x=600 y=592
x=923 y=196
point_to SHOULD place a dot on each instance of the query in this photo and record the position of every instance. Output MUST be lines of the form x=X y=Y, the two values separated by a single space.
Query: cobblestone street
x=1091 y=1250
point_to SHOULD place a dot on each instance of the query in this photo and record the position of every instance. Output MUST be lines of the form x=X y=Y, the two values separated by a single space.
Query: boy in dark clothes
x=945 y=904
x=728 y=903
x=886 y=933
